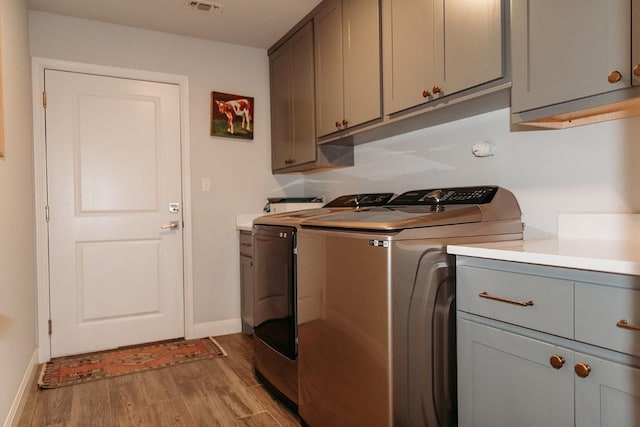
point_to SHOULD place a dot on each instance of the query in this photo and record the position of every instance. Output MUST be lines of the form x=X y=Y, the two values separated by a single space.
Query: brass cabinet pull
x=556 y=361
x=436 y=89
x=344 y=122
x=582 y=370
x=507 y=300
x=614 y=77
x=289 y=161
x=626 y=325
x=636 y=70
x=338 y=125
x=426 y=93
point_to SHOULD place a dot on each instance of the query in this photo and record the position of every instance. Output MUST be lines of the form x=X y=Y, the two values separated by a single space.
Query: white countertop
x=596 y=242
x=244 y=222
x=612 y=256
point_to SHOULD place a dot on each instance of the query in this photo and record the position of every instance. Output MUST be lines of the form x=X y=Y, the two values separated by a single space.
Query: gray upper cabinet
x=347 y=52
x=293 y=139
x=435 y=48
x=562 y=51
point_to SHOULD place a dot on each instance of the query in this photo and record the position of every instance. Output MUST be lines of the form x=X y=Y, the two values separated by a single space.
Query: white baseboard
x=212 y=329
x=21 y=396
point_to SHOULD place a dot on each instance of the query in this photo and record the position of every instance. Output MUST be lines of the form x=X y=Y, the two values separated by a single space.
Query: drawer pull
x=507 y=300
x=626 y=325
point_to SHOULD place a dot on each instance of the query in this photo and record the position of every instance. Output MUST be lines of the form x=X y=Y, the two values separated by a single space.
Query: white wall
x=240 y=171
x=17 y=273
x=592 y=168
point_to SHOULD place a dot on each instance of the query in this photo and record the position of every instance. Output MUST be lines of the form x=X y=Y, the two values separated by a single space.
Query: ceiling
x=254 y=23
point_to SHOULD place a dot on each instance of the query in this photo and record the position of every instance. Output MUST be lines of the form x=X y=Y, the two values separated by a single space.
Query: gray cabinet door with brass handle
x=511 y=363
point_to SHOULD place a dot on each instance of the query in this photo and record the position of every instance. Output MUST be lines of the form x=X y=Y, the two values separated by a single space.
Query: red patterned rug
x=70 y=370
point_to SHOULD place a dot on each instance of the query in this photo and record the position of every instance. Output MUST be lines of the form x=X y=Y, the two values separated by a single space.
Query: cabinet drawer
x=599 y=309
x=507 y=296
x=246 y=244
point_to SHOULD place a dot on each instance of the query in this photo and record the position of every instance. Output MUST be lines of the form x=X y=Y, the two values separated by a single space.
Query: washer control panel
x=447 y=196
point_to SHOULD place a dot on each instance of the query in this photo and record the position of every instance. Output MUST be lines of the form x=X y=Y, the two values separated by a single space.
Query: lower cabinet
x=609 y=395
x=246 y=282
x=511 y=371
x=505 y=379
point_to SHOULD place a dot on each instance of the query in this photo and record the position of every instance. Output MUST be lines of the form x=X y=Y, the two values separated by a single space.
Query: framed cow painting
x=231 y=115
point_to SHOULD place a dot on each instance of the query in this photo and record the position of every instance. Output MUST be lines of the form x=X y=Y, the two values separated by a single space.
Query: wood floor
x=214 y=392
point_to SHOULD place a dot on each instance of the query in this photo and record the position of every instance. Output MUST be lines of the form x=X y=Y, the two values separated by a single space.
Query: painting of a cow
x=231 y=115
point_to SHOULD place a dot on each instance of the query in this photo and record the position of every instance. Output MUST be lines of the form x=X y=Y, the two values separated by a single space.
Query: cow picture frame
x=232 y=115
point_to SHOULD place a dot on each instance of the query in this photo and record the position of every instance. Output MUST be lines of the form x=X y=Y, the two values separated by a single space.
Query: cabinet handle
x=344 y=122
x=636 y=70
x=436 y=89
x=582 y=370
x=426 y=93
x=626 y=325
x=338 y=125
x=614 y=77
x=507 y=300
x=289 y=161
x=556 y=361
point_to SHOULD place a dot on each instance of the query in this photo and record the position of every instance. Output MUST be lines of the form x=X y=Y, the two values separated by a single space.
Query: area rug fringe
x=224 y=353
x=70 y=370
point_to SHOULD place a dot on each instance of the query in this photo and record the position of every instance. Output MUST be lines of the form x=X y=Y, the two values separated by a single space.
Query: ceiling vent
x=204 y=6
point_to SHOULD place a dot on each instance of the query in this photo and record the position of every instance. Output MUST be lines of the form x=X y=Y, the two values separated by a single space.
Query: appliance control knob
x=435 y=195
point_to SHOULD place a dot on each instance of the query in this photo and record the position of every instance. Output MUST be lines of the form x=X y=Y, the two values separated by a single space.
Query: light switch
x=206 y=183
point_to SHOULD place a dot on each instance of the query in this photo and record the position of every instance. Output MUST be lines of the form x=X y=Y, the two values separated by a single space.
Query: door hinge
x=44 y=99
x=50 y=327
x=46 y=213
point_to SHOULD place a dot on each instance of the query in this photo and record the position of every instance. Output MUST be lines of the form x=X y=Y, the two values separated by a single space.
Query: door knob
x=426 y=93
x=582 y=370
x=636 y=70
x=173 y=225
x=556 y=361
x=436 y=89
x=614 y=77
x=344 y=122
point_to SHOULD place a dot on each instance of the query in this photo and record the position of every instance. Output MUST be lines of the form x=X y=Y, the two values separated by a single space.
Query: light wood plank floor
x=215 y=392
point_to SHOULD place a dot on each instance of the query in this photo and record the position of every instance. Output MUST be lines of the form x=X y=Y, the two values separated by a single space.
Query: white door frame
x=40 y=173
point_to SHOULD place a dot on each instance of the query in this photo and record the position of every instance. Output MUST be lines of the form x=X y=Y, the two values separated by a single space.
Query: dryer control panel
x=360 y=200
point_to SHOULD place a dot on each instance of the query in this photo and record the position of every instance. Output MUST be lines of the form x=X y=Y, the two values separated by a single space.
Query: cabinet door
x=635 y=41
x=281 y=66
x=468 y=43
x=609 y=396
x=566 y=50
x=407 y=52
x=304 y=129
x=329 y=70
x=506 y=380
x=361 y=36
x=246 y=293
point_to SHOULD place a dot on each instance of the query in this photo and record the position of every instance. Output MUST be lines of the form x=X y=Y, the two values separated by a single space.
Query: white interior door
x=113 y=171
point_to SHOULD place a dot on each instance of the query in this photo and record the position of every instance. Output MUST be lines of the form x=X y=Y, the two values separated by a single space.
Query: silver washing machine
x=376 y=327
x=275 y=291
